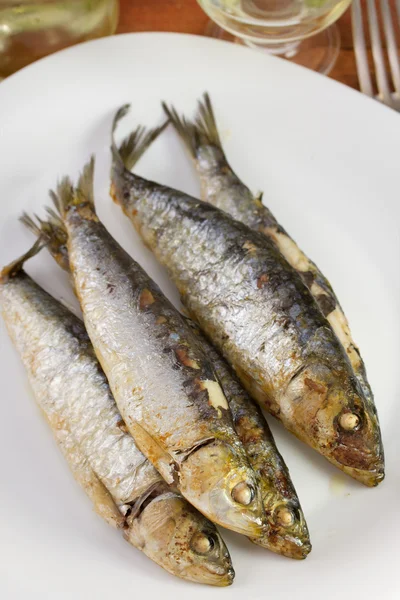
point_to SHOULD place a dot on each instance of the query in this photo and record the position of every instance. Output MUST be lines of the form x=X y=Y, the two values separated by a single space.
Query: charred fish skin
x=164 y=386
x=221 y=187
x=257 y=311
x=56 y=352
x=286 y=532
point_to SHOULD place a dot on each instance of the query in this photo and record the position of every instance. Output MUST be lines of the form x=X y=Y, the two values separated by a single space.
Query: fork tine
x=363 y=73
x=391 y=44
x=377 y=54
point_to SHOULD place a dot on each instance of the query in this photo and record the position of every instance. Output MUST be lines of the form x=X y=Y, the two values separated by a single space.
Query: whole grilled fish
x=222 y=188
x=163 y=384
x=286 y=531
x=258 y=312
x=74 y=396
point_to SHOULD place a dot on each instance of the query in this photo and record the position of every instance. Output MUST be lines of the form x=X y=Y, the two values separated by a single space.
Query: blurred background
x=31 y=29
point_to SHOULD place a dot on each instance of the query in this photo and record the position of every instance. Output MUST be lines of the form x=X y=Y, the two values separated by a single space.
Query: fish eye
x=243 y=493
x=349 y=421
x=284 y=516
x=202 y=543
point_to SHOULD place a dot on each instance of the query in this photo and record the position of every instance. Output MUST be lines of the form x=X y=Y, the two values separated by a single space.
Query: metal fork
x=385 y=94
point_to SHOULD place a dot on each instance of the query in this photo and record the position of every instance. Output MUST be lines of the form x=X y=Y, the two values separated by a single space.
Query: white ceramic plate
x=328 y=161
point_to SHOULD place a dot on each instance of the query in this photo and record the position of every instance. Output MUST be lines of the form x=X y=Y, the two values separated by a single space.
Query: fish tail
x=53 y=232
x=116 y=157
x=26 y=220
x=85 y=186
x=64 y=197
x=135 y=144
x=51 y=229
x=55 y=221
x=185 y=129
x=202 y=131
x=16 y=266
x=68 y=196
x=206 y=123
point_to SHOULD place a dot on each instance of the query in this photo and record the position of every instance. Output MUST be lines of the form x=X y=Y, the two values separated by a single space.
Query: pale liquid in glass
x=274 y=21
x=31 y=29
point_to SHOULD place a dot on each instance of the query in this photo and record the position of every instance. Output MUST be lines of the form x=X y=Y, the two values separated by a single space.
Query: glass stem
x=287 y=49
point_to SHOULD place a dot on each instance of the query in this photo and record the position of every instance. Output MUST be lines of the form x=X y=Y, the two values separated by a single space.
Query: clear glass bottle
x=31 y=29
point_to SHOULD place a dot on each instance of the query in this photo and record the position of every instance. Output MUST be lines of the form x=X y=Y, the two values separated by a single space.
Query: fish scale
x=54 y=344
x=73 y=394
x=221 y=187
x=256 y=309
x=163 y=384
x=286 y=532
x=231 y=294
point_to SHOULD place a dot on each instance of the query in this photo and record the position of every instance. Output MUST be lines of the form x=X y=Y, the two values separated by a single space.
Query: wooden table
x=186 y=16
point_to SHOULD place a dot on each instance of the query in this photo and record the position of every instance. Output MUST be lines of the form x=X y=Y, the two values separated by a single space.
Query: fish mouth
x=285 y=545
x=227 y=579
x=297 y=549
x=370 y=478
x=214 y=575
x=221 y=580
x=367 y=467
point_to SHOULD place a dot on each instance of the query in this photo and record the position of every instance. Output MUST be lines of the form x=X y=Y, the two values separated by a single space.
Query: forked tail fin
x=16 y=266
x=80 y=196
x=135 y=144
x=202 y=131
x=53 y=232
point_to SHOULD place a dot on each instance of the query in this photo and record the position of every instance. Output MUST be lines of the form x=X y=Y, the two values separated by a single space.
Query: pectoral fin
x=163 y=462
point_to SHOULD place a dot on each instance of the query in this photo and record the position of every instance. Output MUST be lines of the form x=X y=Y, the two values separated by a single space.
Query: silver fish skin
x=163 y=384
x=258 y=312
x=221 y=187
x=74 y=396
x=103 y=502
x=286 y=532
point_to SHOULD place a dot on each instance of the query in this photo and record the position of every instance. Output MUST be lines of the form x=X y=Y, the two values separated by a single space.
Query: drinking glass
x=31 y=29
x=301 y=30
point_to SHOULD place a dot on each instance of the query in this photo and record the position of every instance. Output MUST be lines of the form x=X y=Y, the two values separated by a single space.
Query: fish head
x=219 y=482
x=286 y=532
x=181 y=540
x=334 y=415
